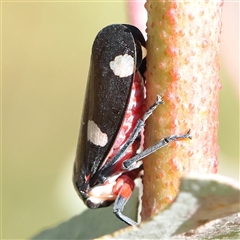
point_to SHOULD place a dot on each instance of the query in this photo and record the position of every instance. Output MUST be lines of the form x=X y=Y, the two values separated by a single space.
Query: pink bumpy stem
x=182 y=67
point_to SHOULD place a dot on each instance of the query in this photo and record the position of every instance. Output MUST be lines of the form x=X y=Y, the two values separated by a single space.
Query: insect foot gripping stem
x=162 y=143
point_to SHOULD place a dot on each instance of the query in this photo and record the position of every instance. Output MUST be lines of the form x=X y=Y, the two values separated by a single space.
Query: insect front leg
x=124 y=187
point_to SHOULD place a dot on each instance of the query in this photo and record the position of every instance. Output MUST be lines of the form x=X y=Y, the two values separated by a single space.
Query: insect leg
x=124 y=192
x=106 y=171
x=137 y=129
x=128 y=164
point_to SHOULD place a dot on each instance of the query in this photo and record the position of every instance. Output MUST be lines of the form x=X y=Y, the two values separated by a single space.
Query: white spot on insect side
x=98 y=194
x=122 y=65
x=144 y=52
x=102 y=190
x=95 y=135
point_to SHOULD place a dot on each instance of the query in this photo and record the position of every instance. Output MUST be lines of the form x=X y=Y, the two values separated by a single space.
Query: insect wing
x=109 y=84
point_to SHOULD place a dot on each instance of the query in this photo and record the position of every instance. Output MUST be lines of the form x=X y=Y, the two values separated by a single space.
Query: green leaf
x=92 y=223
x=207 y=207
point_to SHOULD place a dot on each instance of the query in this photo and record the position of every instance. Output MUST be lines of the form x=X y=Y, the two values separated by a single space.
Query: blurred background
x=45 y=58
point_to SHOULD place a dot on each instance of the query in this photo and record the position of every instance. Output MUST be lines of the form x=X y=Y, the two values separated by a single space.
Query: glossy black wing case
x=106 y=99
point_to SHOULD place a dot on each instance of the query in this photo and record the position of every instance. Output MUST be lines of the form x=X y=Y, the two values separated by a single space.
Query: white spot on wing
x=95 y=135
x=122 y=65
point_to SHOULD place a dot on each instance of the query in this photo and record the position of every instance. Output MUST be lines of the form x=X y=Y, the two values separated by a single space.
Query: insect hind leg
x=130 y=163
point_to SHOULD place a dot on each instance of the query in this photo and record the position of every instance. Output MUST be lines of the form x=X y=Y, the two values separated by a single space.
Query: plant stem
x=182 y=67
